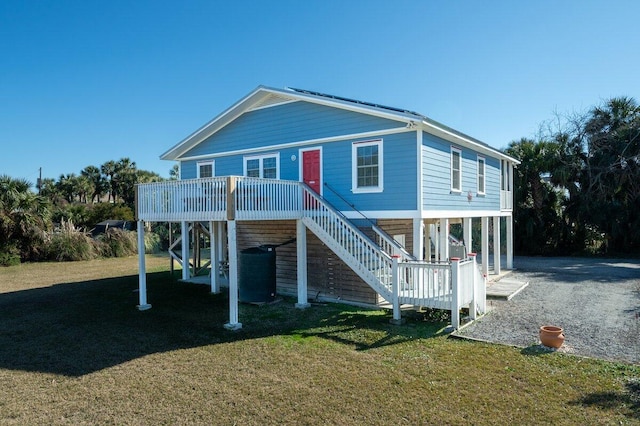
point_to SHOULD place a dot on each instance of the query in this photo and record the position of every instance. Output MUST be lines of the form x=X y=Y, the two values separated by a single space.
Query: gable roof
x=264 y=96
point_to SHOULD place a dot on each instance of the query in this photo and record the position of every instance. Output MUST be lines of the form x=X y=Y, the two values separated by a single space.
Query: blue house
x=368 y=192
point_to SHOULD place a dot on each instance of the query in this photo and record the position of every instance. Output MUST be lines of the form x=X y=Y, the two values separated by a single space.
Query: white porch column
x=233 y=323
x=496 y=245
x=509 y=236
x=444 y=239
x=184 y=234
x=436 y=240
x=427 y=241
x=213 y=245
x=484 y=251
x=142 y=270
x=301 y=251
x=418 y=238
x=466 y=234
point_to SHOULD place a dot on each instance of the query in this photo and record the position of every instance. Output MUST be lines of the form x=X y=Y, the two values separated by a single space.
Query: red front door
x=311 y=169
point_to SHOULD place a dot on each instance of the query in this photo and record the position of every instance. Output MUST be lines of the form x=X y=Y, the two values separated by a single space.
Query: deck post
x=301 y=252
x=213 y=246
x=233 y=323
x=484 y=250
x=455 y=294
x=418 y=238
x=185 y=250
x=142 y=271
x=496 y=245
x=509 y=236
x=474 y=288
x=467 y=234
x=395 y=290
x=444 y=239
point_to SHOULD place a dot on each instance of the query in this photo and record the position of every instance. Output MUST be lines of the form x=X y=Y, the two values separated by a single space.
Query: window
x=263 y=166
x=205 y=169
x=367 y=166
x=481 y=165
x=456 y=170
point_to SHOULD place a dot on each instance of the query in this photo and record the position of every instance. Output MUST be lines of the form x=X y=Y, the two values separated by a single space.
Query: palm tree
x=24 y=216
x=99 y=184
x=109 y=170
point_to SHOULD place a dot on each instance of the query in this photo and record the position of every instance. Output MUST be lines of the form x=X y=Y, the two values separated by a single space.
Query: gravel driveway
x=596 y=301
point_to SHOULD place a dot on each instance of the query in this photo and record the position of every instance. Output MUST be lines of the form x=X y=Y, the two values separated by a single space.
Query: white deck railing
x=267 y=199
x=182 y=200
x=420 y=281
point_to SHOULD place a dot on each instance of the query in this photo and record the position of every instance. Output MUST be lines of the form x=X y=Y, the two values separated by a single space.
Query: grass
x=74 y=350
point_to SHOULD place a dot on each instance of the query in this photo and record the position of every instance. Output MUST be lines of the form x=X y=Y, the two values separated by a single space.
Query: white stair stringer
x=378 y=280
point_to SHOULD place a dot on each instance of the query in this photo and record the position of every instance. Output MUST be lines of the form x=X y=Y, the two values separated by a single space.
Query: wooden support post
x=466 y=233
x=474 y=288
x=170 y=244
x=233 y=323
x=395 y=290
x=509 y=236
x=185 y=250
x=301 y=251
x=142 y=271
x=418 y=238
x=455 y=295
x=485 y=246
x=444 y=239
x=496 y=245
x=213 y=245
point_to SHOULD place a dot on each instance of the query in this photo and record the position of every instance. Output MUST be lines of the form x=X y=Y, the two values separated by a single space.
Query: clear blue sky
x=83 y=82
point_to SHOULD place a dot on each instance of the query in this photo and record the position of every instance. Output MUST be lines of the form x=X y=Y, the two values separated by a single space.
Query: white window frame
x=261 y=159
x=458 y=151
x=482 y=178
x=354 y=167
x=205 y=163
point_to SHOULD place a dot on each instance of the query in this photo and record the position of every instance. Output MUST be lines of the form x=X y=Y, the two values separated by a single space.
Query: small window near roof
x=456 y=170
x=481 y=174
x=205 y=169
x=367 y=166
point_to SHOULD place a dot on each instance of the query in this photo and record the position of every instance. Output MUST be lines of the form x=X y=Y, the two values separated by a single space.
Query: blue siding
x=291 y=122
x=436 y=177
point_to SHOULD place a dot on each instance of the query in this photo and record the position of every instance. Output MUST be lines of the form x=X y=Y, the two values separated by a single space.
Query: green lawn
x=75 y=350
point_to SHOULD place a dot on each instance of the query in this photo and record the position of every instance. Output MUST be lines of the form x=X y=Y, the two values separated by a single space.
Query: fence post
x=455 y=294
x=395 y=290
x=474 y=281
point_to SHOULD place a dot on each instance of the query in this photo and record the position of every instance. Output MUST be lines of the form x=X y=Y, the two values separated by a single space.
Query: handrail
x=387 y=243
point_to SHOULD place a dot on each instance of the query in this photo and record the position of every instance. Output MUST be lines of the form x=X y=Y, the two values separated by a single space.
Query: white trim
x=484 y=175
x=260 y=159
x=364 y=135
x=272 y=105
x=436 y=214
x=300 y=165
x=459 y=152
x=354 y=167
x=199 y=164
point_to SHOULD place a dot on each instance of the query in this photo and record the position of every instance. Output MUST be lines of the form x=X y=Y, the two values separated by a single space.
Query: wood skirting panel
x=328 y=276
x=399 y=227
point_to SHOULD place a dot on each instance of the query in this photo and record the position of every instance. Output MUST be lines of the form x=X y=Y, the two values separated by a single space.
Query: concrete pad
x=505 y=288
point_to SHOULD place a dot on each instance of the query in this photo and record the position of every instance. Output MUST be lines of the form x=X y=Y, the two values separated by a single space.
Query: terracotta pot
x=551 y=336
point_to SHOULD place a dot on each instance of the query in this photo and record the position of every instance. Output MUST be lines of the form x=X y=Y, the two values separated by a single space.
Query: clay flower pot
x=551 y=336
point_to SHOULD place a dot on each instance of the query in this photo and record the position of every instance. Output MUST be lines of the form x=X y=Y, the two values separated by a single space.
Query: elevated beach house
x=365 y=196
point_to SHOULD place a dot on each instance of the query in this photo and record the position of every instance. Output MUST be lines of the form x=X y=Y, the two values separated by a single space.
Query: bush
x=9 y=256
x=70 y=243
x=152 y=243
x=117 y=243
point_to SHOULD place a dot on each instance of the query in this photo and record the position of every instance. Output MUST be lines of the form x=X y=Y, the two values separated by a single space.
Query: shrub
x=152 y=243
x=9 y=256
x=117 y=243
x=70 y=243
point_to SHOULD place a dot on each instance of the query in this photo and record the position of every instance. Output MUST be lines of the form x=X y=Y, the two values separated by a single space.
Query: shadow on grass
x=537 y=350
x=75 y=329
x=628 y=399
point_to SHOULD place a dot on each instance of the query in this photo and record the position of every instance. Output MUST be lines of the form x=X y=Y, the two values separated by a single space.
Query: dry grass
x=74 y=350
